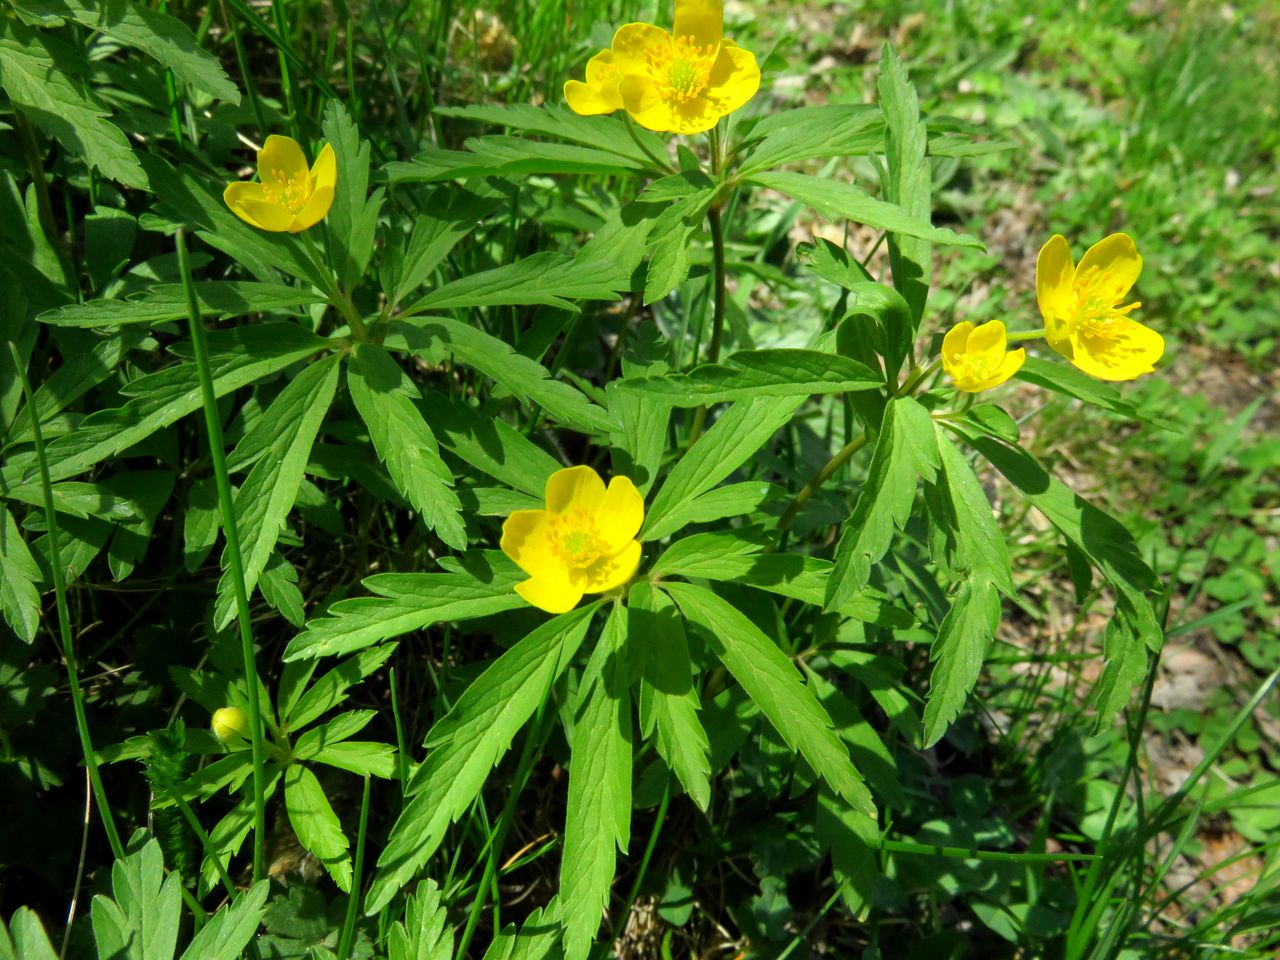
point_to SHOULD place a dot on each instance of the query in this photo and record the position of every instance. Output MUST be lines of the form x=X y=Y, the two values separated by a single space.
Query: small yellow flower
x=287 y=196
x=679 y=82
x=584 y=542
x=229 y=724
x=979 y=358
x=1085 y=316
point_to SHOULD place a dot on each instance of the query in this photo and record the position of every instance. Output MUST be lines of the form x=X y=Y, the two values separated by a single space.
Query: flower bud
x=230 y=724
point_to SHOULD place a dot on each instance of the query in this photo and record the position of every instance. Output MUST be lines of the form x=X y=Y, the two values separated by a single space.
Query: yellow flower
x=288 y=196
x=229 y=724
x=979 y=358
x=584 y=542
x=1085 y=317
x=679 y=82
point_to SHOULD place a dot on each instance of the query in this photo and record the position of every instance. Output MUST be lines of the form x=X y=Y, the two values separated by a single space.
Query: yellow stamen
x=682 y=69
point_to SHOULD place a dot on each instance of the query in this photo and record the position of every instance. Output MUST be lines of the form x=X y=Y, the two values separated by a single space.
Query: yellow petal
x=247 y=201
x=315 y=210
x=281 y=160
x=642 y=99
x=621 y=513
x=525 y=539
x=735 y=78
x=1054 y=273
x=1129 y=350
x=1116 y=258
x=701 y=19
x=633 y=42
x=955 y=342
x=608 y=573
x=588 y=101
x=552 y=594
x=987 y=338
x=574 y=488
x=324 y=172
x=1013 y=362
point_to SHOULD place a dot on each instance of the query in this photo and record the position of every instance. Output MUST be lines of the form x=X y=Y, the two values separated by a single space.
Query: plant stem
x=634 y=892
x=663 y=165
x=64 y=614
x=717 y=317
x=914 y=380
x=1017 y=336
x=217 y=454
x=821 y=477
x=44 y=205
x=353 y=898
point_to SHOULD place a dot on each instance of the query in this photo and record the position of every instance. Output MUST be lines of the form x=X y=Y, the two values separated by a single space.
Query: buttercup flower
x=287 y=196
x=584 y=542
x=1085 y=317
x=679 y=82
x=979 y=358
x=229 y=723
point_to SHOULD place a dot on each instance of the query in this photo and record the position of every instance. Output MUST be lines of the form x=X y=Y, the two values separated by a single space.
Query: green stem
x=970 y=853
x=717 y=318
x=663 y=165
x=353 y=898
x=821 y=477
x=634 y=892
x=44 y=205
x=1018 y=336
x=217 y=454
x=914 y=380
x=64 y=615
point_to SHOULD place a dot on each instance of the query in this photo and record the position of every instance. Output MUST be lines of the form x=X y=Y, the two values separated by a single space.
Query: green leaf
x=140 y=919
x=165 y=38
x=409 y=601
x=384 y=395
x=30 y=942
x=228 y=932
x=19 y=598
x=832 y=263
x=736 y=437
x=526 y=378
x=774 y=684
x=537 y=939
x=364 y=757
x=669 y=703
x=905 y=449
x=598 y=811
x=908 y=182
x=1127 y=661
x=425 y=933
x=489 y=444
x=1066 y=379
x=606 y=133
x=760 y=373
x=641 y=437
x=315 y=823
x=330 y=690
x=468 y=741
x=545 y=278
x=807 y=133
x=455 y=213
x=670 y=240
x=168 y=301
x=238 y=357
x=844 y=201
x=50 y=99
x=264 y=500
x=353 y=218
x=509 y=157
x=958 y=654
x=893 y=322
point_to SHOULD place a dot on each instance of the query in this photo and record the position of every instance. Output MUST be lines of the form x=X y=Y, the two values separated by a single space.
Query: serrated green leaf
x=353 y=218
x=732 y=440
x=1065 y=379
x=760 y=373
x=425 y=933
x=668 y=701
x=500 y=156
x=363 y=757
x=844 y=201
x=554 y=120
x=963 y=517
x=19 y=598
x=893 y=322
x=263 y=502
x=905 y=450
x=774 y=684
x=454 y=214
x=331 y=688
x=807 y=133
x=228 y=932
x=468 y=741
x=30 y=942
x=50 y=99
x=168 y=301
x=383 y=395
x=909 y=180
x=669 y=242
x=598 y=811
x=1126 y=666
x=958 y=653
x=489 y=445
x=340 y=728
x=315 y=824
x=140 y=919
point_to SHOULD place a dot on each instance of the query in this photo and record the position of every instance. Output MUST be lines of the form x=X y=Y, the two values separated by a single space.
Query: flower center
x=574 y=538
x=975 y=367
x=291 y=192
x=683 y=69
x=1097 y=304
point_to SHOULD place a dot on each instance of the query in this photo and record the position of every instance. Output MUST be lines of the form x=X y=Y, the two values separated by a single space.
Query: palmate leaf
x=668 y=701
x=774 y=684
x=139 y=921
x=19 y=598
x=330 y=689
x=905 y=450
x=59 y=106
x=454 y=213
x=847 y=202
x=807 y=133
x=909 y=179
x=264 y=500
x=958 y=653
x=315 y=824
x=736 y=437
x=384 y=395
x=598 y=811
x=353 y=218
x=760 y=373
x=168 y=301
x=165 y=38
x=468 y=741
x=238 y=357
x=425 y=933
